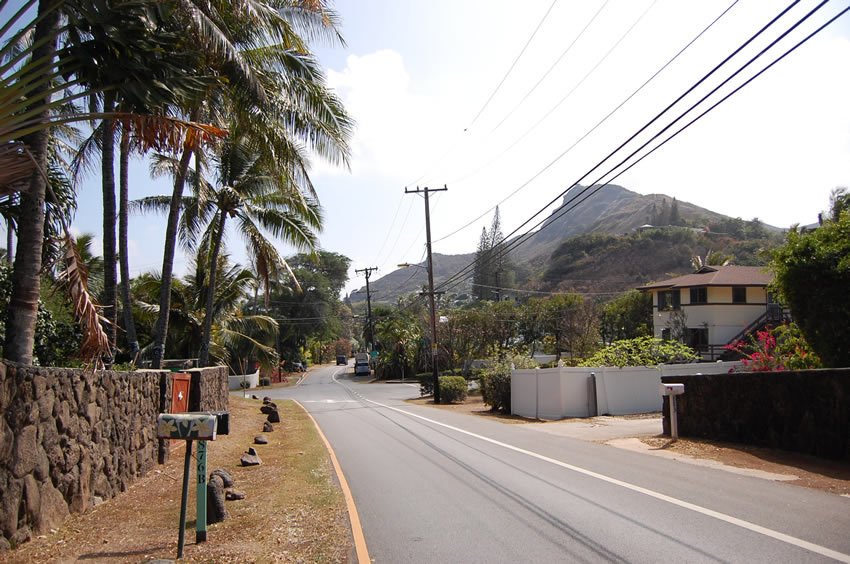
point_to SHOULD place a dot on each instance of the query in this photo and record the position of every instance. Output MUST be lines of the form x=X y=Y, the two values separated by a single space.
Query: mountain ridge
x=613 y=215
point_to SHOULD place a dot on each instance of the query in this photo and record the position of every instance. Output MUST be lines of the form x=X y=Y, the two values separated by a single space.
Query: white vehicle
x=361 y=364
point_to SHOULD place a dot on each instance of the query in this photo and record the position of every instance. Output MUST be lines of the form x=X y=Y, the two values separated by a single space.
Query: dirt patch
x=811 y=472
x=293 y=512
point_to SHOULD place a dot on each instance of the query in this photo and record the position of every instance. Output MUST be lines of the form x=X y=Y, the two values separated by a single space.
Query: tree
x=26 y=278
x=675 y=218
x=482 y=268
x=492 y=265
x=272 y=86
x=627 y=316
x=812 y=274
x=257 y=199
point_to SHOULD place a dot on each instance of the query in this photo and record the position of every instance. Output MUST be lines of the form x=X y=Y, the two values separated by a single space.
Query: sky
x=496 y=100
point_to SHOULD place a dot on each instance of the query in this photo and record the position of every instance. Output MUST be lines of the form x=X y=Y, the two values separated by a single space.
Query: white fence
x=235 y=382
x=556 y=393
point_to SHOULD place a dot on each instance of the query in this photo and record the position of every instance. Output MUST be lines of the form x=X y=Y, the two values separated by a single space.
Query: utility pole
x=368 y=272
x=434 y=367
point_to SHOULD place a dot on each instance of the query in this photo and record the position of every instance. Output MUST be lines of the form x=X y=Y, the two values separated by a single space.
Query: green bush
x=496 y=382
x=642 y=351
x=452 y=389
x=426 y=383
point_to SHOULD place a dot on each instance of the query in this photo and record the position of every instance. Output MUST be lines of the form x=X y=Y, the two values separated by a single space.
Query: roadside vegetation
x=225 y=101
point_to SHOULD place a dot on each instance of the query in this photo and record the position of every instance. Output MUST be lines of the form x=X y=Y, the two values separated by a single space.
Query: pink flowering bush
x=777 y=349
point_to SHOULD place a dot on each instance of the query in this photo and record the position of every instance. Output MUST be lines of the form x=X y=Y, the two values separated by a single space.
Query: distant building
x=713 y=307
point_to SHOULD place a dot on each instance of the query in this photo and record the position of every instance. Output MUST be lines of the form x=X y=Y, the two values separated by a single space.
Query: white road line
x=817 y=549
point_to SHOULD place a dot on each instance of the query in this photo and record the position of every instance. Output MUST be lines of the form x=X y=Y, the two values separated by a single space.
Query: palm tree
x=279 y=95
x=256 y=199
x=233 y=330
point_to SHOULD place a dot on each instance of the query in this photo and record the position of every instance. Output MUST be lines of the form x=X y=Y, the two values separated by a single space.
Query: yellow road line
x=353 y=516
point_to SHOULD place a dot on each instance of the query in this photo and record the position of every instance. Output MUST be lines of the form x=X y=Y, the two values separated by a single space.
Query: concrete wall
x=805 y=411
x=71 y=438
x=557 y=393
x=235 y=382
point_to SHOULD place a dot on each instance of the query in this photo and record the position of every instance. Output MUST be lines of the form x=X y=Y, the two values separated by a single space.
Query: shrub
x=642 y=351
x=452 y=389
x=265 y=381
x=426 y=383
x=496 y=382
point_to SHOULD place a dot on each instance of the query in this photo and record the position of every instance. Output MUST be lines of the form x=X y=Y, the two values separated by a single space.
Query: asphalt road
x=435 y=486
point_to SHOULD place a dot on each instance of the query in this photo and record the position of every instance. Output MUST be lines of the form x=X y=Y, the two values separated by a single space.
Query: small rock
x=225 y=476
x=4 y=545
x=253 y=396
x=96 y=500
x=250 y=458
x=216 y=511
x=261 y=440
x=267 y=399
x=273 y=417
x=21 y=536
x=268 y=427
x=268 y=408
x=234 y=495
x=252 y=451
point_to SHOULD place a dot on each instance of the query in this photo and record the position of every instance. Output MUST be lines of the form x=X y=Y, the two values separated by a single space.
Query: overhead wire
x=551 y=67
x=511 y=68
x=592 y=129
x=452 y=148
x=593 y=188
x=521 y=239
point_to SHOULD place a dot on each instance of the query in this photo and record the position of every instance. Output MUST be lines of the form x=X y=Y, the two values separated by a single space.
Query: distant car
x=341 y=359
x=295 y=367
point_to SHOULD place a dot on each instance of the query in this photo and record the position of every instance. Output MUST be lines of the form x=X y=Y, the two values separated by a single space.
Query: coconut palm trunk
x=123 y=251
x=10 y=239
x=161 y=328
x=204 y=354
x=26 y=277
x=110 y=270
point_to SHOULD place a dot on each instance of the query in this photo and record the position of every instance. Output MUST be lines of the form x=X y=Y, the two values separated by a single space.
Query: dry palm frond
x=75 y=278
x=169 y=134
x=15 y=168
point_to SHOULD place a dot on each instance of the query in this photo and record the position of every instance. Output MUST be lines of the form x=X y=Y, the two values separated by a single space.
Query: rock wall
x=805 y=411
x=71 y=438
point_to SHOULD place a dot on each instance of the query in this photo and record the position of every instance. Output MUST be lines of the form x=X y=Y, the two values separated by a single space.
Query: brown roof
x=716 y=276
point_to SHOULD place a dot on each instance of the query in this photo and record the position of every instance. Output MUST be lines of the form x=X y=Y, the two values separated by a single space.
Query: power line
x=454 y=145
x=511 y=68
x=588 y=132
x=521 y=239
x=552 y=67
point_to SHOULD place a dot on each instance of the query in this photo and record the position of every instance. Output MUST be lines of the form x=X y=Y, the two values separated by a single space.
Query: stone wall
x=805 y=411
x=71 y=438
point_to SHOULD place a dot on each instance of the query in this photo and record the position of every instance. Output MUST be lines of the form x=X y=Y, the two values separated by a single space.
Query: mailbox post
x=673 y=390
x=200 y=427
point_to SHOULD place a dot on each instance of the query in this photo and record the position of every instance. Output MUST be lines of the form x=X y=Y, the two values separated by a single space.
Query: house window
x=739 y=294
x=698 y=338
x=669 y=299
x=699 y=295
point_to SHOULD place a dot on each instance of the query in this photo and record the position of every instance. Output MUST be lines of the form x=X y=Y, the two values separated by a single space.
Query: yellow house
x=714 y=306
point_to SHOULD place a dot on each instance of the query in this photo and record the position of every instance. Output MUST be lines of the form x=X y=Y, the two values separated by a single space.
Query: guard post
x=189 y=427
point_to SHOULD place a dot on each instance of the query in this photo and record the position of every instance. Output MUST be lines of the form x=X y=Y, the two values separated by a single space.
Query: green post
x=201 y=519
